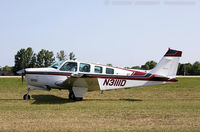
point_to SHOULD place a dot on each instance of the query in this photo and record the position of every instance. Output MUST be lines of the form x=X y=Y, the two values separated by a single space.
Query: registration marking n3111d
x=114 y=82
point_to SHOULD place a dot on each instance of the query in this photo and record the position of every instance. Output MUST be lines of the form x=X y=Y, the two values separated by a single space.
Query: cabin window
x=57 y=64
x=98 y=69
x=84 y=67
x=109 y=71
x=69 y=66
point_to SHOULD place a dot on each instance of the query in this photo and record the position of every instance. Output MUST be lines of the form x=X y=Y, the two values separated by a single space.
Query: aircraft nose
x=22 y=71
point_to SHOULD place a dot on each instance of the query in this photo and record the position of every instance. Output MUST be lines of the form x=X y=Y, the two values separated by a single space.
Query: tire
x=78 y=99
x=25 y=97
x=73 y=97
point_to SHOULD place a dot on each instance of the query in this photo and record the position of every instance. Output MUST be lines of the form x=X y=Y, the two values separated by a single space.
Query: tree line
x=27 y=58
x=183 y=69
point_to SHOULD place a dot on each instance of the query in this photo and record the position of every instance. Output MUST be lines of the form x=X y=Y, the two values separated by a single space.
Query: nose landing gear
x=27 y=96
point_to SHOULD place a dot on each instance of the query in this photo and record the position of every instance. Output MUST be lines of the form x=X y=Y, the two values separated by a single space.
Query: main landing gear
x=27 y=96
x=73 y=97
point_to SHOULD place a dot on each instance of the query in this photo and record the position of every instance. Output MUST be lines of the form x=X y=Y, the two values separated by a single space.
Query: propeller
x=22 y=71
x=22 y=78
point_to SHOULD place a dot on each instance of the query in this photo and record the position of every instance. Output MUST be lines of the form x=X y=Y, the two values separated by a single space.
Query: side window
x=69 y=66
x=109 y=71
x=84 y=67
x=98 y=69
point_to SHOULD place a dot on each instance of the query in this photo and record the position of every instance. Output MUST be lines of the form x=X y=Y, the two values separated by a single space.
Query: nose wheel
x=27 y=96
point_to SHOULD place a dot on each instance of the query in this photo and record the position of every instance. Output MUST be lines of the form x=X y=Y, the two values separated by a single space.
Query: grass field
x=171 y=107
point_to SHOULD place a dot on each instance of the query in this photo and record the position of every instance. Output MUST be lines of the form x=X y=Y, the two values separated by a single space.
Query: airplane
x=80 y=77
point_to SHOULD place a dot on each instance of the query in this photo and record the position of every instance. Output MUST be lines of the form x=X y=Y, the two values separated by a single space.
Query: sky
x=124 y=33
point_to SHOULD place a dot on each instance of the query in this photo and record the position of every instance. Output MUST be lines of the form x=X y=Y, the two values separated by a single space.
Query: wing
x=80 y=80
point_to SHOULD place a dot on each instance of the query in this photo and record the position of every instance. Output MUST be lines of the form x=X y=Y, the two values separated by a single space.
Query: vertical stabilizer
x=168 y=65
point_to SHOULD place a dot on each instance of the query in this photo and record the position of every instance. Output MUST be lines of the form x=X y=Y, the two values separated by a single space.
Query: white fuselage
x=80 y=77
x=107 y=77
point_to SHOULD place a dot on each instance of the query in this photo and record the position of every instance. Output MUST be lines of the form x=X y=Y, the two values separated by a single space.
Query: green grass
x=171 y=107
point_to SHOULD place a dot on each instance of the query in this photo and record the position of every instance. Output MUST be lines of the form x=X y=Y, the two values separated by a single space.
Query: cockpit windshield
x=69 y=66
x=57 y=64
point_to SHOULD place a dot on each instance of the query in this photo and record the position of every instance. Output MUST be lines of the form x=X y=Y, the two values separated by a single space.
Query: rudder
x=168 y=65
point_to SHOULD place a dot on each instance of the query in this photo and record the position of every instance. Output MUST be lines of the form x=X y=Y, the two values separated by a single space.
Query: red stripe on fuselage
x=50 y=73
x=137 y=73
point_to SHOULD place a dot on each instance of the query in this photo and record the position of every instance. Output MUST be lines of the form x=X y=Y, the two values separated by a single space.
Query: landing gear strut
x=73 y=97
x=27 y=96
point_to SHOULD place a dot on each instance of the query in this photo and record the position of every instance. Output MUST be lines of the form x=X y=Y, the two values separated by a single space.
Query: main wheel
x=73 y=97
x=26 y=97
x=78 y=99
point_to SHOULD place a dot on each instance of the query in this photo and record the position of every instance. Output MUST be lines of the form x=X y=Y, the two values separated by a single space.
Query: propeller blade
x=23 y=73
x=22 y=78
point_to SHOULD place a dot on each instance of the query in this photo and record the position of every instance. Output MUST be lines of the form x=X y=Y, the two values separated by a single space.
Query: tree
x=188 y=69
x=19 y=57
x=109 y=64
x=40 y=58
x=196 y=68
x=61 y=55
x=49 y=58
x=149 y=65
x=45 y=58
x=135 y=67
x=28 y=57
x=33 y=62
x=184 y=69
x=180 y=70
x=23 y=59
x=7 y=68
x=145 y=67
x=72 y=56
